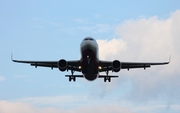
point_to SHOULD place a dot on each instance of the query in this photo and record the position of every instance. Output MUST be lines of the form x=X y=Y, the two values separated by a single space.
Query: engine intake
x=116 y=65
x=62 y=65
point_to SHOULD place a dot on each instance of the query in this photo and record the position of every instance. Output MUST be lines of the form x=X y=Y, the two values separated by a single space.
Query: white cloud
x=81 y=21
x=58 y=101
x=41 y=23
x=97 y=15
x=105 y=108
x=2 y=78
x=20 y=76
x=38 y=26
x=21 y=107
x=70 y=30
x=97 y=28
x=51 y=23
x=148 y=39
x=25 y=107
x=109 y=48
x=37 y=19
x=101 y=28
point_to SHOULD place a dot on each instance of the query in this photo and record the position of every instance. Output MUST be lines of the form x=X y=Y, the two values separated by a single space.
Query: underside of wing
x=52 y=64
x=70 y=65
x=129 y=65
x=113 y=65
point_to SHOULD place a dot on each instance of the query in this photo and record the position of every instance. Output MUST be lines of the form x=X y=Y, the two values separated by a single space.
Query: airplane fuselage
x=89 y=58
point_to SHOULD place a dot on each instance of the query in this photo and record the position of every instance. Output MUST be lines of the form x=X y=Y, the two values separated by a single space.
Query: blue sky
x=125 y=30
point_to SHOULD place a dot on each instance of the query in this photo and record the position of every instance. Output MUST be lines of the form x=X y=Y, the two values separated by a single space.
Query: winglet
x=12 y=56
x=169 y=58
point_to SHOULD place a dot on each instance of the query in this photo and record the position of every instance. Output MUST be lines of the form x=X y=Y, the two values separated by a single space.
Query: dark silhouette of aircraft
x=89 y=63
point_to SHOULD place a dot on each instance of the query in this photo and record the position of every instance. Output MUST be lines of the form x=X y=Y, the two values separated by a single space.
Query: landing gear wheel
x=72 y=78
x=104 y=79
x=107 y=78
x=69 y=78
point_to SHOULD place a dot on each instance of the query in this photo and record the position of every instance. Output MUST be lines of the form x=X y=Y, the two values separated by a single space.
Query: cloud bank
x=148 y=39
x=2 y=78
x=19 y=107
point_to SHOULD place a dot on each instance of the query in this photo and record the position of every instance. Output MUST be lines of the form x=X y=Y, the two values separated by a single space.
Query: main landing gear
x=73 y=77
x=107 y=77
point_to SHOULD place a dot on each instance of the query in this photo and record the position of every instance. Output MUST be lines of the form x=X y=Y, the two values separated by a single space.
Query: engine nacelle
x=116 y=65
x=62 y=65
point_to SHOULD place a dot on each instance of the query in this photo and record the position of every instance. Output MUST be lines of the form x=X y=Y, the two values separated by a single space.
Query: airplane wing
x=71 y=65
x=107 y=66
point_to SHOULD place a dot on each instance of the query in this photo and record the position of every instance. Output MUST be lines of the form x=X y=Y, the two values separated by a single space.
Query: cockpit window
x=89 y=39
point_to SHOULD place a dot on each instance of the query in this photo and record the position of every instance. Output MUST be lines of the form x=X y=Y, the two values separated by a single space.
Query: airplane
x=89 y=64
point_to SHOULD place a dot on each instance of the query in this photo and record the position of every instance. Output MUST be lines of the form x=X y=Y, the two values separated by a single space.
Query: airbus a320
x=89 y=64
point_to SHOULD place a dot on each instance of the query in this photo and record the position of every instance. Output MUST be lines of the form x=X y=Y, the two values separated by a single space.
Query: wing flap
x=135 y=66
x=44 y=65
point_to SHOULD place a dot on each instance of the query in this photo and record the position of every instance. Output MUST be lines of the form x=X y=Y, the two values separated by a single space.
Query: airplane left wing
x=71 y=65
x=107 y=65
x=128 y=65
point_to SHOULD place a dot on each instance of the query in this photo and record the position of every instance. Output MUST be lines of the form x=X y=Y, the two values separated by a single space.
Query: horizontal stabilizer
x=103 y=76
x=80 y=76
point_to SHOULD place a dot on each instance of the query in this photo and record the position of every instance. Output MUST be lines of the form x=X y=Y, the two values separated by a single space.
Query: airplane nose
x=86 y=45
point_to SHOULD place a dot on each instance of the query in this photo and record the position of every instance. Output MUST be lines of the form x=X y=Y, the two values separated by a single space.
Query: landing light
x=100 y=67
x=79 y=67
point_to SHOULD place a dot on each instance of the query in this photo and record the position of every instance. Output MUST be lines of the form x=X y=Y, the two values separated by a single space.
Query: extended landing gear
x=107 y=77
x=73 y=77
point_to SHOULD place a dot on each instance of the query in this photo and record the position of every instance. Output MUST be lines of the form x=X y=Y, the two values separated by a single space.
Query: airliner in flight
x=89 y=64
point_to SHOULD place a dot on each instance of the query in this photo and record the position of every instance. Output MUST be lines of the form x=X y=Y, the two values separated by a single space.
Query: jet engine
x=116 y=65
x=62 y=65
